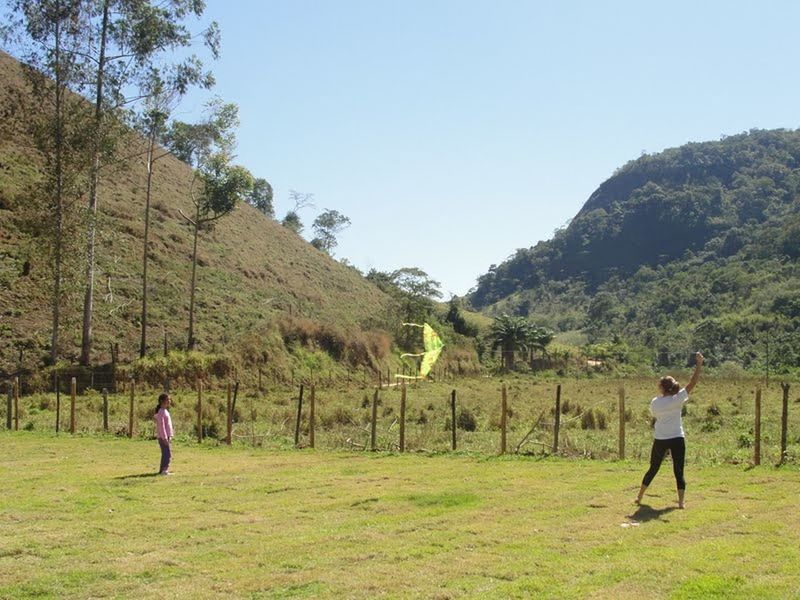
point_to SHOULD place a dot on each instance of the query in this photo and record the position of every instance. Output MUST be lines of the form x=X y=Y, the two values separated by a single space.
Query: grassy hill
x=694 y=247
x=254 y=274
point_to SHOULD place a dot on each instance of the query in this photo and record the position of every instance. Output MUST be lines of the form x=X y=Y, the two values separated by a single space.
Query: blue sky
x=454 y=132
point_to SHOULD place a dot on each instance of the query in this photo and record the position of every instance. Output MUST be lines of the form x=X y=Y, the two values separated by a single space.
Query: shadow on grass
x=137 y=476
x=645 y=513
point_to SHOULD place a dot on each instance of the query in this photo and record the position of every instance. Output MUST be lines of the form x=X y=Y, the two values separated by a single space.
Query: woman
x=668 y=433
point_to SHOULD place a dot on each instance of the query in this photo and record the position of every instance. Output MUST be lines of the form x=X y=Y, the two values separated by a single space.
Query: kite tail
x=420 y=354
x=413 y=325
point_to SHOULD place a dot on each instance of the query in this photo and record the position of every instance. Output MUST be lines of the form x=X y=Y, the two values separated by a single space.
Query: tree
x=127 y=36
x=292 y=219
x=51 y=35
x=326 y=227
x=510 y=334
x=162 y=90
x=216 y=185
x=260 y=197
x=457 y=320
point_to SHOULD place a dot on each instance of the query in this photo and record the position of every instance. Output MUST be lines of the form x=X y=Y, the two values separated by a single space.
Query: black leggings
x=676 y=447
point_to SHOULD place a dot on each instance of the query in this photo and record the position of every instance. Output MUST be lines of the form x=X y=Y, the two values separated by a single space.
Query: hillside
x=253 y=272
x=696 y=246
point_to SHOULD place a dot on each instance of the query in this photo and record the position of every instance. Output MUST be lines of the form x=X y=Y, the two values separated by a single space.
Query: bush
x=588 y=420
x=466 y=420
x=338 y=416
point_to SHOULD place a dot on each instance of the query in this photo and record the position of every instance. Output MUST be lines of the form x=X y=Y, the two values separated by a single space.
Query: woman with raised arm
x=668 y=434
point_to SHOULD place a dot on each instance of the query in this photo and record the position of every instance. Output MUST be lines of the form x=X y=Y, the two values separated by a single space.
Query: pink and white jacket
x=164 y=429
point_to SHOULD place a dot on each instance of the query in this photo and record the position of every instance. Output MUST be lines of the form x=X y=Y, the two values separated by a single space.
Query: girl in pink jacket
x=164 y=432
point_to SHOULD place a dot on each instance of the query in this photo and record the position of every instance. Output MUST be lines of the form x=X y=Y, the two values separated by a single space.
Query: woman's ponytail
x=669 y=385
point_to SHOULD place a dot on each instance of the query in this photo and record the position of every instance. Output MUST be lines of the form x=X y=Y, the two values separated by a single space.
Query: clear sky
x=453 y=132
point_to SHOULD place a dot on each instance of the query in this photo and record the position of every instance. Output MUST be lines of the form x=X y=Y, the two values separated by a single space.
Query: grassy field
x=84 y=517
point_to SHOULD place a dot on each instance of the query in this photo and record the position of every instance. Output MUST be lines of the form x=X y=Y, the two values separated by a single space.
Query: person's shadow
x=645 y=512
x=138 y=476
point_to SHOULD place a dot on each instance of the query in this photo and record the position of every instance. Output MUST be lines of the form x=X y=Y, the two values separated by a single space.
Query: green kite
x=433 y=348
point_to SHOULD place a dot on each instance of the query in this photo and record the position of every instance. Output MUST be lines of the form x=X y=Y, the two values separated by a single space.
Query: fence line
x=13 y=416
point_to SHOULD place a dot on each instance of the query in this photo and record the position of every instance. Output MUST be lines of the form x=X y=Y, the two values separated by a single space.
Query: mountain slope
x=669 y=246
x=252 y=271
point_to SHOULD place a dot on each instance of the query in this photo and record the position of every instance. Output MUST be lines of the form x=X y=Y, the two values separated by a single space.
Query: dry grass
x=252 y=269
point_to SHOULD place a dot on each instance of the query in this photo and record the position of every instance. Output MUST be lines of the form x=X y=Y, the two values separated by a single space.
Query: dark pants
x=677 y=448
x=166 y=455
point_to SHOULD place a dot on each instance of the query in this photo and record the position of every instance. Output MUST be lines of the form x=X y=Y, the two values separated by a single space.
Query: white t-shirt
x=667 y=412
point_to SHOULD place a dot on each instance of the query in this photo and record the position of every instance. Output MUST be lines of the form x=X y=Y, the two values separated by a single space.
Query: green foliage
x=512 y=334
x=695 y=247
x=326 y=227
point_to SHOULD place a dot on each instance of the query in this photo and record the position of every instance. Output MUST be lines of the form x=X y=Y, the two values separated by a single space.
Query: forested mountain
x=696 y=246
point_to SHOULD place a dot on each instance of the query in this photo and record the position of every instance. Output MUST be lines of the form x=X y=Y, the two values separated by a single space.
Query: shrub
x=338 y=416
x=588 y=420
x=466 y=420
x=601 y=420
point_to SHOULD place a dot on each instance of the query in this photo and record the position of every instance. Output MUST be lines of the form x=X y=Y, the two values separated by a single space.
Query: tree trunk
x=194 y=281
x=86 y=342
x=508 y=356
x=59 y=199
x=150 y=161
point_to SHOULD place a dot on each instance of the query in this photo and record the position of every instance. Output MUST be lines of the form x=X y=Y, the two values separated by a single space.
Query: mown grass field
x=84 y=517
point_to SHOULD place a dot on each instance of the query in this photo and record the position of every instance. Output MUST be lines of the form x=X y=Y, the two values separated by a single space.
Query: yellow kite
x=433 y=348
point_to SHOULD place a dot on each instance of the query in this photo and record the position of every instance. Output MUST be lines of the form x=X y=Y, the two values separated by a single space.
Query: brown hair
x=669 y=386
x=161 y=398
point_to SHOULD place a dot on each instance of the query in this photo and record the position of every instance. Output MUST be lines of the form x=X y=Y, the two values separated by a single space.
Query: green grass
x=83 y=517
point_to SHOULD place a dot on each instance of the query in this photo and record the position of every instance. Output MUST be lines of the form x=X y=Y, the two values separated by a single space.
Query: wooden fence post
x=312 y=416
x=503 y=419
x=73 y=390
x=16 y=404
x=453 y=415
x=299 y=415
x=557 y=422
x=9 y=404
x=235 y=395
x=105 y=409
x=373 y=434
x=229 y=416
x=403 y=417
x=757 y=429
x=132 y=406
x=58 y=404
x=784 y=421
x=622 y=423
x=199 y=411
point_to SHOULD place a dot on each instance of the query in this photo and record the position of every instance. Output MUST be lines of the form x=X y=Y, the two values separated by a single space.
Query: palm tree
x=510 y=334
x=538 y=338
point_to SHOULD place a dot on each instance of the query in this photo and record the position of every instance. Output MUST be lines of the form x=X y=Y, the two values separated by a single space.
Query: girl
x=164 y=432
x=668 y=433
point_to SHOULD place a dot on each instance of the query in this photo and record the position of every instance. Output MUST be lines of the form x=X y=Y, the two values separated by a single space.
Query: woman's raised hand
x=699 y=359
